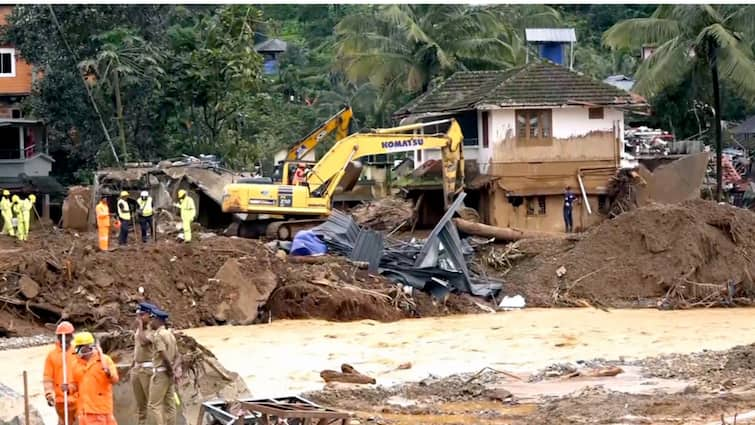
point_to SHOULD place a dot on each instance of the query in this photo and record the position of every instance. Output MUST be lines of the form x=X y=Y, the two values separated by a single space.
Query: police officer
x=161 y=407
x=569 y=199
x=124 y=216
x=141 y=370
x=145 y=214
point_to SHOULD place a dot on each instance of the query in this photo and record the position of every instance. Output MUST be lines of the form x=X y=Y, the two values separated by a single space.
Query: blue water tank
x=553 y=51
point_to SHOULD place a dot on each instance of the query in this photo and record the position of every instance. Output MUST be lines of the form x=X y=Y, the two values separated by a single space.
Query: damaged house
x=528 y=133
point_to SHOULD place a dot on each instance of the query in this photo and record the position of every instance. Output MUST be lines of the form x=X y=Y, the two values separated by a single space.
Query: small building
x=271 y=50
x=552 y=44
x=528 y=133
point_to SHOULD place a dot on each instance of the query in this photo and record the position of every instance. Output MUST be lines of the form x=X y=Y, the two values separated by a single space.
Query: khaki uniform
x=141 y=375
x=161 y=408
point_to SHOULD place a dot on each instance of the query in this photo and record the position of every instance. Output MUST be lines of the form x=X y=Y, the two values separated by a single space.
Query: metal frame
x=268 y=411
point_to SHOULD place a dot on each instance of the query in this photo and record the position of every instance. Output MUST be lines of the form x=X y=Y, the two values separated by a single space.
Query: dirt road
x=286 y=357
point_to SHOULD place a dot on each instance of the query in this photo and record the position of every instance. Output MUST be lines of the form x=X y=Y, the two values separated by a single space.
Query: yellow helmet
x=15 y=198
x=124 y=194
x=32 y=198
x=83 y=338
x=181 y=193
x=6 y=192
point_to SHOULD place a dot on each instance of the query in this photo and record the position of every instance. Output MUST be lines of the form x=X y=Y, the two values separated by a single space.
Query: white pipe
x=584 y=193
x=65 y=382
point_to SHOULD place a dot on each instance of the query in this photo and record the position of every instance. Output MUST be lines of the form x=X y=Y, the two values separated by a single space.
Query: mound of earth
x=216 y=280
x=689 y=251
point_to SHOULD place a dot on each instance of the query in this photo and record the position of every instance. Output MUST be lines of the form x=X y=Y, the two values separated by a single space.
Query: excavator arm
x=325 y=176
x=338 y=123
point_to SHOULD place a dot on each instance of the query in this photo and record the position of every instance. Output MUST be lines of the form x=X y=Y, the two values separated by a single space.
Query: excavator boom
x=338 y=123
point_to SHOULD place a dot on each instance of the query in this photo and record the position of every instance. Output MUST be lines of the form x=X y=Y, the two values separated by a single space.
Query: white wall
x=39 y=165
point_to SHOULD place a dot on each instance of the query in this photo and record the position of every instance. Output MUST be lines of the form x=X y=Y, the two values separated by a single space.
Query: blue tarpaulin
x=307 y=243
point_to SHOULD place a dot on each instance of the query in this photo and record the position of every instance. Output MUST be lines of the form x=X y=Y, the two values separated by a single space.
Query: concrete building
x=528 y=133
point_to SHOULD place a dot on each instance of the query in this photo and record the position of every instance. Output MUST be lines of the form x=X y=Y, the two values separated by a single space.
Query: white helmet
x=144 y=194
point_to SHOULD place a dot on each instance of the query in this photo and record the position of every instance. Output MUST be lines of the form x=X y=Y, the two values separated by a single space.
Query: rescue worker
x=103 y=223
x=161 y=408
x=26 y=206
x=7 y=213
x=569 y=199
x=188 y=213
x=141 y=370
x=94 y=377
x=53 y=374
x=145 y=214
x=17 y=214
x=124 y=217
x=300 y=174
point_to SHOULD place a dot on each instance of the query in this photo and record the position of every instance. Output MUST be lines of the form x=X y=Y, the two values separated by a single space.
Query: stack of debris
x=384 y=214
x=438 y=265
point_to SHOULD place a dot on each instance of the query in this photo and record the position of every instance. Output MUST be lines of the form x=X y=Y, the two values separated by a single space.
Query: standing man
x=124 y=216
x=145 y=214
x=300 y=174
x=161 y=408
x=103 y=223
x=7 y=213
x=26 y=207
x=188 y=213
x=17 y=214
x=569 y=199
x=53 y=374
x=94 y=377
x=141 y=371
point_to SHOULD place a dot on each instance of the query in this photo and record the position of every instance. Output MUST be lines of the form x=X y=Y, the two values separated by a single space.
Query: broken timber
x=503 y=233
x=270 y=411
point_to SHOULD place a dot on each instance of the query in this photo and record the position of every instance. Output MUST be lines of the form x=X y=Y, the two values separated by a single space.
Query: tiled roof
x=550 y=34
x=535 y=84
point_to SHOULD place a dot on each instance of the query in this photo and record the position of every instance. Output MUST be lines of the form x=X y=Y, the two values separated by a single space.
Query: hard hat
x=124 y=194
x=181 y=193
x=64 y=328
x=145 y=307
x=144 y=194
x=6 y=192
x=32 y=198
x=83 y=338
x=15 y=198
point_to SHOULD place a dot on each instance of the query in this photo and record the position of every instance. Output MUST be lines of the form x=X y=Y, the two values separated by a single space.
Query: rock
x=28 y=287
x=246 y=290
x=221 y=312
x=102 y=278
x=498 y=394
x=12 y=409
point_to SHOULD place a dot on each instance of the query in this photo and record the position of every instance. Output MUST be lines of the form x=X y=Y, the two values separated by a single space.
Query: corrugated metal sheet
x=565 y=35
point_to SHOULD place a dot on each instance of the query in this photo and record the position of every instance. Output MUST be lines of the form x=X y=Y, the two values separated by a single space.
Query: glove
x=50 y=399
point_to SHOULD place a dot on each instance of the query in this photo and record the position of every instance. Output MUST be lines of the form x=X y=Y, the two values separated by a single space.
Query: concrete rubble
x=12 y=410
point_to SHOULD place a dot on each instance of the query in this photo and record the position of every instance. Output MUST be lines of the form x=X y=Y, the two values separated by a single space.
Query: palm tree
x=716 y=40
x=406 y=46
x=123 y=59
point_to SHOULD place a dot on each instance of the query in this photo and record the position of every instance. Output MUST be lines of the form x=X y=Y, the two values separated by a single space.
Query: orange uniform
x=95 y=389
x=103 y=224
x=53 y=380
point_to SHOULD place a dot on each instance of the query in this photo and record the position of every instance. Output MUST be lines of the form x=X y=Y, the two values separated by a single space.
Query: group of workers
x=78 y=377
x=127 y=215
x=16 y=214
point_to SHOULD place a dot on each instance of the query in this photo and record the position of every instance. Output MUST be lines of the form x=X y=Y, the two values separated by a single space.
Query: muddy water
x=286 y=357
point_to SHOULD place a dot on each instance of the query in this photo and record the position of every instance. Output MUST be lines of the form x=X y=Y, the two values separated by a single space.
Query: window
x=535 y=205
x=595 y=113
x=7 y=62
x=15 y=113
x=533 y=124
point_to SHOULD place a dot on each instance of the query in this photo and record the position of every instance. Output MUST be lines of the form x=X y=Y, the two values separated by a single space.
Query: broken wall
x=77 y=208
x=674 y=182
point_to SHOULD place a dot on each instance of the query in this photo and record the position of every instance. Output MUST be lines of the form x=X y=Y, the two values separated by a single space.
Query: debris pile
x=622 y=192
x=386 y=214
x=438 y=265
x=693 y=254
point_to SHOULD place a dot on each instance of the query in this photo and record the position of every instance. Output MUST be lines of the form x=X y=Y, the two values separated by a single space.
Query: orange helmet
x=64 y=328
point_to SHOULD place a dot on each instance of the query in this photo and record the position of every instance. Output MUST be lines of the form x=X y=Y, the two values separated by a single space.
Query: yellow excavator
x=338 y=123
x=280 y=210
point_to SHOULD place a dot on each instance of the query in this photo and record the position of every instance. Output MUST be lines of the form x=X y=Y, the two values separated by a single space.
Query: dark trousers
x=568 y=222
x=145 y=223
x=123 y=235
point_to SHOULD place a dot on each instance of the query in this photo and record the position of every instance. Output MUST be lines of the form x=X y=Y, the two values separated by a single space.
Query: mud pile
x=686 y=254
x=217 y=280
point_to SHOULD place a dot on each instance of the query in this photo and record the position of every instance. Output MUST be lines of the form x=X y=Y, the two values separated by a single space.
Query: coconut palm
x=123 y=59
x=693 y=40
x=406 y=46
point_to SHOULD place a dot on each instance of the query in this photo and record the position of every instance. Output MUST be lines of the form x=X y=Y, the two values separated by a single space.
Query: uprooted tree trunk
x=503 y=233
